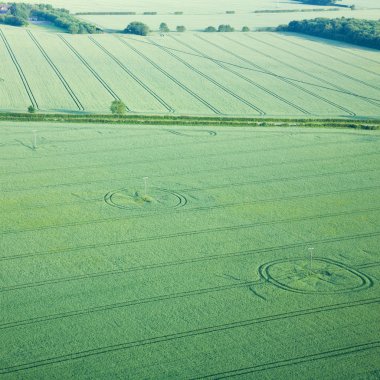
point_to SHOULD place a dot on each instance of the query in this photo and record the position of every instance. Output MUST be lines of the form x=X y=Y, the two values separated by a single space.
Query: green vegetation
x=355 y=31
x=225 y=28
x=138 y=28
x=120 y=118
x=118 y=107
x=269 y=75
x=210 y=29
x=245 y=29
x=31 y=109
x=164 y=28
x=207 y=271
x=181 y=28
x=22 y=12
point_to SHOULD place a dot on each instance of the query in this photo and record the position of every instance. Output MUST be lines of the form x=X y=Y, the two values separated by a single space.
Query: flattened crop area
x=236 y=74
x=162 y=252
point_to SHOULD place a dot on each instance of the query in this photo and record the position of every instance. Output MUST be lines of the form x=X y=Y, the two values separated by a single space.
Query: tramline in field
x=184 y=252
x=251 y=74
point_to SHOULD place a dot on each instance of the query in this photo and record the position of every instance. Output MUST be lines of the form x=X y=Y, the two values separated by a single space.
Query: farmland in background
x=195 y=7
x=198 y=22
x=207 y=270
x=252 y=74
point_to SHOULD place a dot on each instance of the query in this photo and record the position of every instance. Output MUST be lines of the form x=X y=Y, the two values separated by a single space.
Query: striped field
x=243 y=74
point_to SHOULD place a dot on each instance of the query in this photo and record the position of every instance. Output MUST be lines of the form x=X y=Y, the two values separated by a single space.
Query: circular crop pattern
x=193 y=132
x=157 y=198
x=322 y=276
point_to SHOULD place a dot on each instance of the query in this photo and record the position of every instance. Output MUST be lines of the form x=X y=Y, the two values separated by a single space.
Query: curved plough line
x=133 y=76
x=57 y=72
x=188 y=334
x=20 y=71
x=335 y=88
x=349 y=112
x=264 y=271
x=108 y=198
x=173 y=263
x=169 y=76
x=208 y=78
x=178 y=133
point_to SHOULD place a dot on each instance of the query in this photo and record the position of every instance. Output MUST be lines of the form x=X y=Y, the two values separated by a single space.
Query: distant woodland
x=351 y=30
x=19 y=14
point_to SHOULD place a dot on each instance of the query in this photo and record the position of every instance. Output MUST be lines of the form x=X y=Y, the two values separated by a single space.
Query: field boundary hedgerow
x=132 y=119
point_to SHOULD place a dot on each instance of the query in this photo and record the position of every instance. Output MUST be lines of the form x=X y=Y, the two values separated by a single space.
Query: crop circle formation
x=156 y=198
x=322 y=276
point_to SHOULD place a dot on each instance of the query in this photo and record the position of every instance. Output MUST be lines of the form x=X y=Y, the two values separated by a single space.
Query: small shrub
x=150 y=13
x=225 y=28
x=118 y=107
x=181 y=29
x=178 y=13
x=31 y=109
x=230 y=12
x=245 y=29
x=210 y=29
x=164 y=28
x=138 y=28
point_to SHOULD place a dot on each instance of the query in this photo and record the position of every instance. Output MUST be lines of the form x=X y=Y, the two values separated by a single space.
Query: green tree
x=210 y=29
x=138 y=28
x=180 y=28
x=225 y=28
x=164 y=28
x=245 y=29
x=118 y=107
x=31 y=109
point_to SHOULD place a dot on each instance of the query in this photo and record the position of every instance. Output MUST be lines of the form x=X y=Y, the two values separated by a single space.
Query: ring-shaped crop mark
x=163 y=198
x=283 y=274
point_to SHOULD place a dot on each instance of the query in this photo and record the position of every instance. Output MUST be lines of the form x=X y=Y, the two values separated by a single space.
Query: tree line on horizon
x=351 y=30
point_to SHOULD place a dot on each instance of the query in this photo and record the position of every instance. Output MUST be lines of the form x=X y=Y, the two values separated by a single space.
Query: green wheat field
x=188 y=252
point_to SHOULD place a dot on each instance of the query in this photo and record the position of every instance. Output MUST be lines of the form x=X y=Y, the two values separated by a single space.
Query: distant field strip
x=247 y=74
